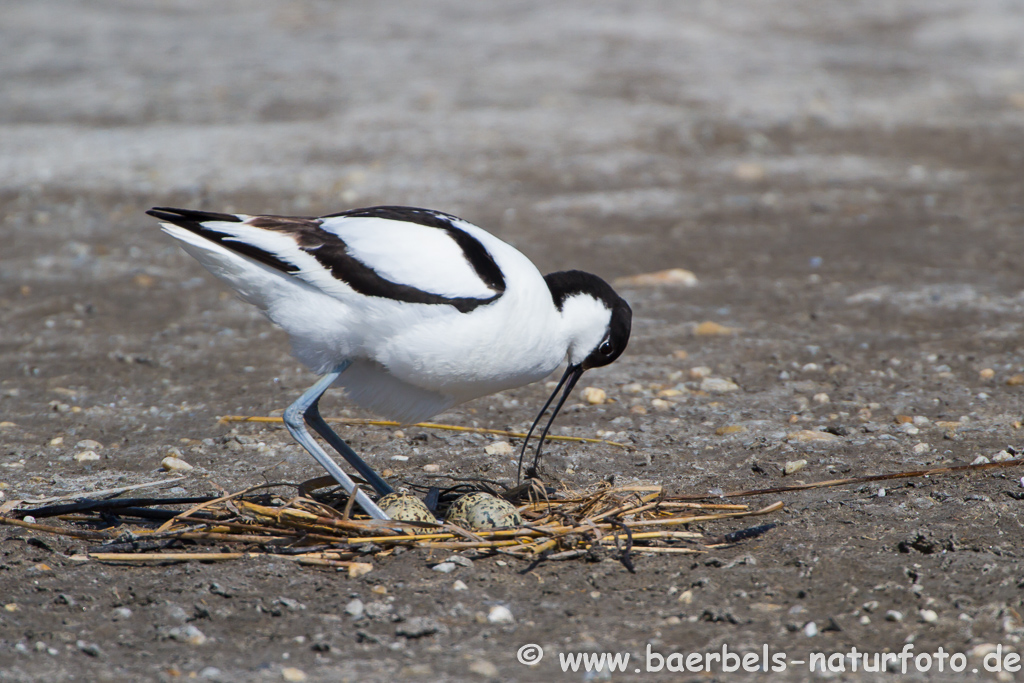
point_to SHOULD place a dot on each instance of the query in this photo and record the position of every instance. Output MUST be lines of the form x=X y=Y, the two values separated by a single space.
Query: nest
x=295 y=522
x=308 y=529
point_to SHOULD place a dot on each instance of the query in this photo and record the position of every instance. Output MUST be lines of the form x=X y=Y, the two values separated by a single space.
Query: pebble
x=87 y=456
x=445 y=567
x=1003 y=456
x=909 y=429
x=810 y=629
x=57 y=441
x=174 y=464
x=119 y=613
x=483 y=668
x=1015 y=381
x=793 y=466
x=91 y=649
x=730 y=429
x=357 y=569
x=929 y=616
x=921 y=448
x=290 y=673
x=187 y=634
x=709 y=328
x=821 y=399
x=809 y=435
x=987 y=373
x=355 y=608
x=680 y=354
x=499 y=448
x=417 y=627
x=870 y=606
x=594 y=396
x=673 y=277
x=499 y=614
x=661 y=405
x=717 y=385
x=7 y=424
x=460 y=560
x=89 y=445
x=400 y=458
x=894 y=615
x=980 y=460
x=459 y=586
x=700 y=372
x=432 y=467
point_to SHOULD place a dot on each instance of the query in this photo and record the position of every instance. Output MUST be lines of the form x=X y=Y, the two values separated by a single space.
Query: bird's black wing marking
x=331 y=252
x=476 y=254
x=193 y=222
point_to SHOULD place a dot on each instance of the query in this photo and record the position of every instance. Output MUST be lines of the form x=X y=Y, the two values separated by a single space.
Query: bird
x=410 y=311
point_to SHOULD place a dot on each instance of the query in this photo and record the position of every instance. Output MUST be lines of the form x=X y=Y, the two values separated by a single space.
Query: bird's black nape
x=569 y=379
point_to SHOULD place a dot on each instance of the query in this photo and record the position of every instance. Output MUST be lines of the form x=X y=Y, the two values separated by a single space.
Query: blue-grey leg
x=293 y=420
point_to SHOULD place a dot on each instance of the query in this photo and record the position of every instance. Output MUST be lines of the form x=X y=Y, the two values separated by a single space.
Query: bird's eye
x=606 y=348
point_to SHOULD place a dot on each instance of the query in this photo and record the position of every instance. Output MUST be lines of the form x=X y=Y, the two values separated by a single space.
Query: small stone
x=821 y=399
x=686 y=597
x=638 y=410
x=379 y=589
x=987 y=373
x=459 y=586
x=709 y=328
x=499 y=448
x=499 y=614
x=921 y=448
x=594 y=396
x=909 y=429
x=1015 y=381
x=400 y=458
x=1003 y=456
x=894 y=615
x=121 y=613
x=418 y=627
x=730 y=429
x=870 y=606
x=717 y=385
x=929 y=616
x=355 y=608
x=210 y=672
x=89 y=445
x=809 y=435
x=669 y=393
x=431 y=467
x=460 y=560
x=173 y=464
x=748 y=171
x=980 y=460
x=91 y=649
x=903 y=419
x=673 y=277
x=293 y=675
x=661 y=405
x=7 y=424
x=187 y=634
x=680 y=354
x=398 y=434
x=357 y=569
x=87 y=456
x=482 y=667
x=793 y=466
x=810 y=629
x=445 y=567
x=57 y=441
x=865 y=619
x=700 y=372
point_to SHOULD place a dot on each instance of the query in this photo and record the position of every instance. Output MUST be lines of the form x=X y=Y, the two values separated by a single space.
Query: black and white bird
x=411 y=311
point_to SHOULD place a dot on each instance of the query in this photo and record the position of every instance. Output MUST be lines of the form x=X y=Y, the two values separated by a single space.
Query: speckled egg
x=480 y=511
x=405 y=508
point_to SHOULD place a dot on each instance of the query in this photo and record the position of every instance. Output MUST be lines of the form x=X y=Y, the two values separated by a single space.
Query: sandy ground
x=844 y=178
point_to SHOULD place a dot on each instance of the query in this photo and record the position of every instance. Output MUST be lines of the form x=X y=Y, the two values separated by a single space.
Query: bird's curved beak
x=569 y=379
